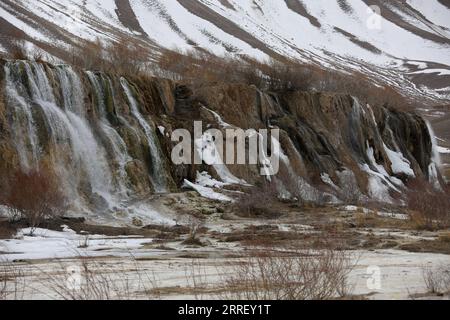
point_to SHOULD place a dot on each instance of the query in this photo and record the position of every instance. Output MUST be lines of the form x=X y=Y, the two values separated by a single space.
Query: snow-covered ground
x=381 y=274
x=48 y=244
x=167 y=267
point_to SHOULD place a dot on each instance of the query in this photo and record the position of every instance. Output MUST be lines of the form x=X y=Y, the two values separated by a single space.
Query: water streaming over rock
x=105 y=152
x=23 y=126
x=97 y=132
x=74 y=150
x=102 y=86
x=157 y=171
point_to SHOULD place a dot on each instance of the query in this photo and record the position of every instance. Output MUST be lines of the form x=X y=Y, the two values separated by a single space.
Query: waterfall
x=23 y=126
x=116 y=143
x=66 y=126
x=158 y=178
x=436 y=162
x=71 y=90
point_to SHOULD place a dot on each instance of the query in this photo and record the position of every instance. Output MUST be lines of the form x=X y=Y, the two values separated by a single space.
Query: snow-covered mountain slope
x=407 y=45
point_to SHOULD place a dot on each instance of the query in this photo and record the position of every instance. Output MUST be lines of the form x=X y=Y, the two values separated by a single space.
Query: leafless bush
x=12 y=282
x=195 y=226
x=14 y=215
x=123 y=57
x=39 y=56
x=197 y=279
x=199 y=68
x=18 y=51
x=90 y=55
x=437 y=280
x=127 y=57
x=428 y=208
x=288 y=76
x=301 y=275
x=359 y=85
x=87 y=279
x=35 y=196
x=257 y=202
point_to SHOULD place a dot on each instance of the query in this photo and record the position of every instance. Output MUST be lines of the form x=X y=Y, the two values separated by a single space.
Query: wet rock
x=321 y=133
x=137 y=222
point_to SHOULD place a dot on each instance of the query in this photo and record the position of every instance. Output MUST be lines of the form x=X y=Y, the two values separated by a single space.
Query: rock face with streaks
x=109 y=138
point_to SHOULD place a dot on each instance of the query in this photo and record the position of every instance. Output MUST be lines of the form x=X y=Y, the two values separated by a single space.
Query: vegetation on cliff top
x=129 y=58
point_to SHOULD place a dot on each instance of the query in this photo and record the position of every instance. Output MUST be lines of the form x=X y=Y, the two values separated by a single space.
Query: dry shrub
x=359 y=85
x=17 y=50
x=197 y=279
x=39 y=56
x=89 y=56
x=123 y=57
x=429 y=209
x=301 y=275
x=197 y=68
x=437 y=280
x=85 y=279
x=127 y=57
x=34 y=196
x=257 y=203
x=196 y=226
x=12 y=282
x=288 y=76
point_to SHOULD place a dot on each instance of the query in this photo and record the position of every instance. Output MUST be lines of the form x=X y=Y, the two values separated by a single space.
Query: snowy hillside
x=407 y=46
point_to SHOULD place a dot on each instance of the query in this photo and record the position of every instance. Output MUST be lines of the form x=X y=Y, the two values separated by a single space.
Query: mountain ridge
x=409 y=51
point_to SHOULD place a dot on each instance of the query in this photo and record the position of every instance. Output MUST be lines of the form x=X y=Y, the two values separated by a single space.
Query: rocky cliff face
x=108 y=138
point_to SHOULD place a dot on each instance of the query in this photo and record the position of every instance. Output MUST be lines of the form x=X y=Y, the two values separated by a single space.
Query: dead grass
x=18 y=51
x=427 y=246
x=199 y=68
x=437 y=279
x=301 y=275
x=12 y=282
x=429 y=209
x=268 y=238
x=445 y=237
x=7 y=230
x=89 y=279
x=259 y=202
x=123 y=56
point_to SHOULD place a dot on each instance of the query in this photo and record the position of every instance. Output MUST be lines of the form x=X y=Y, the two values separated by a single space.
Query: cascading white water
x=23 y=127
x=90 y=155
x=158 y=178
x=67 y=128
x=117 y=144
x=436 y=162
x=71 y=90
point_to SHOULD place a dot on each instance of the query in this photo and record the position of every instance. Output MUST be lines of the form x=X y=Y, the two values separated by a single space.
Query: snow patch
x=399 y=164
x=207 y=192
x=443 y=150
x=207 y=149
x=205 y=180
x=46 y=244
